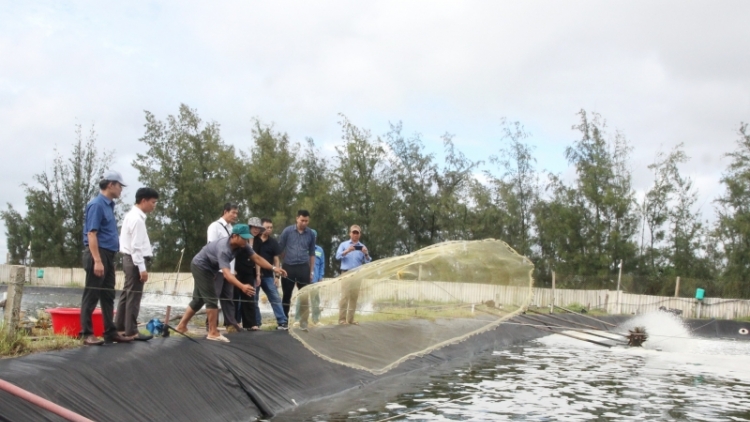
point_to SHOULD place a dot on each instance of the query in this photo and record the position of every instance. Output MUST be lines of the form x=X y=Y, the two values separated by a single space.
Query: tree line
x=405 y=198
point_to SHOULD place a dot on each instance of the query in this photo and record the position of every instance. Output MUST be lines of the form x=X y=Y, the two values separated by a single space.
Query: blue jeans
x=266 y=283
x=315 y=305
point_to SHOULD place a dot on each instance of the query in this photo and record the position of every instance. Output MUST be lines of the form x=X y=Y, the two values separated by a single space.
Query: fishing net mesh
x=390 y=310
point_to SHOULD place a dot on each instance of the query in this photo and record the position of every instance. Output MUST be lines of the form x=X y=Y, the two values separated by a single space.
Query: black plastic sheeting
x=719 y=329
x=258 y=374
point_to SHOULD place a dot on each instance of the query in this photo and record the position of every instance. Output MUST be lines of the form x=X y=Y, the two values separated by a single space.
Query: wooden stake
x=13 y=301
x=165 y=331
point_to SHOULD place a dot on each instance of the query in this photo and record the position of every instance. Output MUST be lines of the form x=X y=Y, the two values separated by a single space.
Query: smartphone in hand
x=358 y=247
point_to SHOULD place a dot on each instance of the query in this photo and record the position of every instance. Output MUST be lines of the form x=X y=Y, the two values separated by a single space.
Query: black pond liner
x=258 y=374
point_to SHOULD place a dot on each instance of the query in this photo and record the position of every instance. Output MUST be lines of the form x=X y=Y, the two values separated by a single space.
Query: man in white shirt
x=222 y=229
x=136 y=252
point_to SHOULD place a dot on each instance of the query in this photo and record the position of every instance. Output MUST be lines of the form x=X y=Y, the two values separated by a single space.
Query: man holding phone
x=352 y=254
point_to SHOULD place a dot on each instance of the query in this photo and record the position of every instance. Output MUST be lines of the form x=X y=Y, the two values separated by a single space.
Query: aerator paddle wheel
x=637 y=336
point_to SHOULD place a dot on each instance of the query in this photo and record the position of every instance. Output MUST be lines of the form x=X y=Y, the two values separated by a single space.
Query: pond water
x=556 y=378
x=40 y=298
x=152 y=305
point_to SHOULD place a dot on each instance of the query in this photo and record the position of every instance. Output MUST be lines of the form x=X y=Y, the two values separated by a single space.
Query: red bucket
x=67 y=321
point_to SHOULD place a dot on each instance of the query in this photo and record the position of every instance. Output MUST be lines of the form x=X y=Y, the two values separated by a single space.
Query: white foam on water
x=671 y=346
x=675 y=376
x=665 y=331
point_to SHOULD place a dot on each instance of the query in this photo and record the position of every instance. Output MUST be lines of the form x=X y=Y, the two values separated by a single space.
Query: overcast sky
x=660 y=72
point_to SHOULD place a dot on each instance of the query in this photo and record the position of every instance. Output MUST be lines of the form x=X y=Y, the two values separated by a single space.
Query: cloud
x=663 y=73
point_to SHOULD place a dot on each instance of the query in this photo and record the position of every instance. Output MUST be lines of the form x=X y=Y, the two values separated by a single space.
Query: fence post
x=606 y=302
x=619 y=294
x=552 y=304
x=12 y=317
x=677 y=288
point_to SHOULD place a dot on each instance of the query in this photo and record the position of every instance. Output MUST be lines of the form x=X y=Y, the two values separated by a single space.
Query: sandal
x=220 y=338
x=254 y=328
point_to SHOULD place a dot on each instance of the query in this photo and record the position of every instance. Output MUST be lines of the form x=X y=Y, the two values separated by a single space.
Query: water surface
x=557 y=378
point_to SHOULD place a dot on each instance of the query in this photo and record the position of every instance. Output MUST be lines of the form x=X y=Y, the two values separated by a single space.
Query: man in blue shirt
x=320 y=265
x=102 y=242
x=352 y=254
x=298 y=253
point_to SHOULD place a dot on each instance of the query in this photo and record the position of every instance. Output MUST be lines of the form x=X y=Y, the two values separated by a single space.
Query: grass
x=12 y=345
x=20 y=343
x=577 y=307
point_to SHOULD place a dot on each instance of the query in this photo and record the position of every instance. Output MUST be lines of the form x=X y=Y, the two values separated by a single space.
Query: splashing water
x=666 y=331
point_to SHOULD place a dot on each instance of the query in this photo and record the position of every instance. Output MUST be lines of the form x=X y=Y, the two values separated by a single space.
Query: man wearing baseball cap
x=102 y=242
x=215 y=257
x=352 y=254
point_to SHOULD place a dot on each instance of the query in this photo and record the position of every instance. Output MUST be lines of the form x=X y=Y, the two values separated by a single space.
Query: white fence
x=75 y=277
x=182 y=284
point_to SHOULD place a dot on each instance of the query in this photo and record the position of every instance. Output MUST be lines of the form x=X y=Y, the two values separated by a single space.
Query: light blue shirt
x=353 y=259
x=320 y=264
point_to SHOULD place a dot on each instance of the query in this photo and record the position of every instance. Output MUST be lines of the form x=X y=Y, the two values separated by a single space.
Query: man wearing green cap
x=215 y=257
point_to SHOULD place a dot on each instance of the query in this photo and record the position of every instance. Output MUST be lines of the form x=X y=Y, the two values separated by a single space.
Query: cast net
x=410 y=305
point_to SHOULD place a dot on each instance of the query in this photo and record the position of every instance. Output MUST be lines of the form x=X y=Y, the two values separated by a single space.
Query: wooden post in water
x=677 y=288
x=12 y=317
x=165 y=330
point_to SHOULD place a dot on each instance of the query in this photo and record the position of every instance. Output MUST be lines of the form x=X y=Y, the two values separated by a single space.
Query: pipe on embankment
x=42 y=402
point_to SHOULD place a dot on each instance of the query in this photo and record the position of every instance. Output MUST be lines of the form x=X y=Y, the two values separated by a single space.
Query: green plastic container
x=40 y=273
x=699 y=293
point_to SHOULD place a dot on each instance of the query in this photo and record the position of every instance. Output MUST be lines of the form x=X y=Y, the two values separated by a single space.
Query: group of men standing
x=237 y=262
x=102 y=244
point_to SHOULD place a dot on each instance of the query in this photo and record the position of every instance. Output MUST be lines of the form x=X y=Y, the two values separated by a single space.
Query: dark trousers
x=247 y=306
x=129 y=304
x=297 y=275
x=225 y=293
x=237 y=298
x=204 y=292
x=99 y=290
